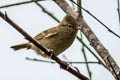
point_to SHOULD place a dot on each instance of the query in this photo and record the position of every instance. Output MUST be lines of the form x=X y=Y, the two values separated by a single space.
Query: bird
x=58 y=38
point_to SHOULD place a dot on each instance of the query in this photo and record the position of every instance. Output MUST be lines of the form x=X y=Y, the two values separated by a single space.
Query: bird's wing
x=47 y=33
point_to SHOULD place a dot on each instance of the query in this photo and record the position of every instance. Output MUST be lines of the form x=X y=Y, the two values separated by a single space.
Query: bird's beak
x=77 y=28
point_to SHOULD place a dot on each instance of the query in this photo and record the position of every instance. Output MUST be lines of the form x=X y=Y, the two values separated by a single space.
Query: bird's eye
x=69 y=25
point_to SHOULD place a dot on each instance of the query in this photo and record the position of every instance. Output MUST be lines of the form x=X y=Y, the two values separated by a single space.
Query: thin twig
x=49 y=53
x=71 y=62
x=97 y=20
x=19 y=3
x=85 y=57
x=47 y=12
x=87 y=66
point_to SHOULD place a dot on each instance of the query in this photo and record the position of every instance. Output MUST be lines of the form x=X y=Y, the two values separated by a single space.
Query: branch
x=49 y=53
x=71 y=62
x=92 y=38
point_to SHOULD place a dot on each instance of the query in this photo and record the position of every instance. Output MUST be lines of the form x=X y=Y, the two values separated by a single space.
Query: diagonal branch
x=92 y=38
x=49 y=53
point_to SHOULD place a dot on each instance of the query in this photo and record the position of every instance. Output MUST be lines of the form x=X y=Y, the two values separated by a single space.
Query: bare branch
x=49 y=53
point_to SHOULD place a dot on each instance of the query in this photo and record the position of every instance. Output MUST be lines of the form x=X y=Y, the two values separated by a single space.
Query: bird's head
x=69 y=21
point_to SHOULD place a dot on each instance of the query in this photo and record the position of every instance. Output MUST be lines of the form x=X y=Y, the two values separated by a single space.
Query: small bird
x=58 y=38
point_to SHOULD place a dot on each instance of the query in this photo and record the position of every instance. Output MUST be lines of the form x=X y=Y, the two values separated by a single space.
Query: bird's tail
x=21 y=46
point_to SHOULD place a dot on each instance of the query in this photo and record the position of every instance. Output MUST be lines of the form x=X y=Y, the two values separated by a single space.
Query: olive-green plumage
x=57 y=38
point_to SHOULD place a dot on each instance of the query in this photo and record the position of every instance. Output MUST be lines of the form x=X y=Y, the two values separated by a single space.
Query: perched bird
x=58 y=38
